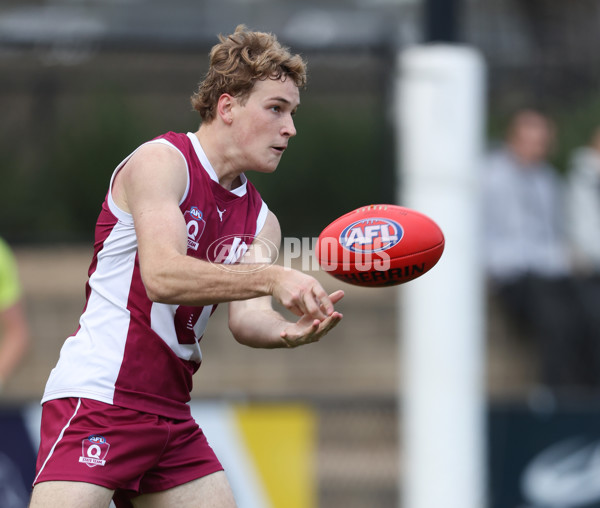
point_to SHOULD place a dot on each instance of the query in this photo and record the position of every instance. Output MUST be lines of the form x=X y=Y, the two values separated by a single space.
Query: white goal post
x=440 y=110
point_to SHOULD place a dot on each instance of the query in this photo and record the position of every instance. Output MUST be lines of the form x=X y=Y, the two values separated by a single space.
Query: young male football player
x=176 y=236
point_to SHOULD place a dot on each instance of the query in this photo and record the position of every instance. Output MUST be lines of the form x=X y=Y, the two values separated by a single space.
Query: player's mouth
x=279 y=149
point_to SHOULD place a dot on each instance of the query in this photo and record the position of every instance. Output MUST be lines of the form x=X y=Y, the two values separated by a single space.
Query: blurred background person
x=526 y=248
x=14 y=330
x=583 y=213
x=583 y=206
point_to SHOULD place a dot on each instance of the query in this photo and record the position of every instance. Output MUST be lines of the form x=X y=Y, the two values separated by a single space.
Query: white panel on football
x=440 y=111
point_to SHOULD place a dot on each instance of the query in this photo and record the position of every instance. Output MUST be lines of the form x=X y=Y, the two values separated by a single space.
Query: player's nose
x=289 y=129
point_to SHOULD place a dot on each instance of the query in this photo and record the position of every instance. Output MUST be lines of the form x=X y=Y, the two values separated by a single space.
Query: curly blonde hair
x=238 y=61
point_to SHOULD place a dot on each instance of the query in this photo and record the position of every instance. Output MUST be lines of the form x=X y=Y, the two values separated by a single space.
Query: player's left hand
x=308 y=329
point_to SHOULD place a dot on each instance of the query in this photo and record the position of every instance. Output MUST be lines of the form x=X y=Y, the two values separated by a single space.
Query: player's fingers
x=319 y=329
x=302 y=337
x=314 y=306
x=324 y=301
x=330 y=323
x=336 y=296
x=295 y=309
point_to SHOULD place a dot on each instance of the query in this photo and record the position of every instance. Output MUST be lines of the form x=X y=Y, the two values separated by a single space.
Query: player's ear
x=224 y=107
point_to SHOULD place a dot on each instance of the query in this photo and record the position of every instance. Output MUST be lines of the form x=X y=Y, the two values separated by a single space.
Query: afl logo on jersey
x=196 y=213
x=371 y=235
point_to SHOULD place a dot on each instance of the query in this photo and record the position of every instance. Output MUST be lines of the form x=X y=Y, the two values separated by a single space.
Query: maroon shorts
x=124 y=450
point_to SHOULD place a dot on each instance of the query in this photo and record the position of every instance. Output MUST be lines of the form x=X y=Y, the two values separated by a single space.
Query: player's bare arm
x=255 y=323
x=150 y=187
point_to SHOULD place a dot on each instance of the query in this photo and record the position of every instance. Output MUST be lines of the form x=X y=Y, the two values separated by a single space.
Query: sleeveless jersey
x=130 y=351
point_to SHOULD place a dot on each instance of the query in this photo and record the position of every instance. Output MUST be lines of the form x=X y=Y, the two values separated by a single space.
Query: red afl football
x=380 y=245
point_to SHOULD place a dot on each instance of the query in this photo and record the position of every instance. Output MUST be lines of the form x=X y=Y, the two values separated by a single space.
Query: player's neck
x=219 y=157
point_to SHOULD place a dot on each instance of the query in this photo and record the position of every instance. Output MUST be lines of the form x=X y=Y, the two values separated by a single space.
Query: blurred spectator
x=584 y=205
x=583 y=212
x=14 y=330
x=526 y=248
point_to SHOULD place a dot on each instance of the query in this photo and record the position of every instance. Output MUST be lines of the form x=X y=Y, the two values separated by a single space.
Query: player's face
x=264 y=125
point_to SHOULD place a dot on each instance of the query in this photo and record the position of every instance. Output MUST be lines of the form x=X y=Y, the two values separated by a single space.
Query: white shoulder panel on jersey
x=262 y=217
x=121 y=214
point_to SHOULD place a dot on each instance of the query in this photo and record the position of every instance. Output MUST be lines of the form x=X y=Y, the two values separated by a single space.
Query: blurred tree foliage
x=575 y=125
x=56 y=179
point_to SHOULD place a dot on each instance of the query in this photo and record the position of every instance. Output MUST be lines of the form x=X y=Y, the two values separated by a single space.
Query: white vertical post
x=440 y=101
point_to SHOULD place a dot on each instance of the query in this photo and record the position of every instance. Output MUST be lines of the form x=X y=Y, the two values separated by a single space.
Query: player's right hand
x=303 y=295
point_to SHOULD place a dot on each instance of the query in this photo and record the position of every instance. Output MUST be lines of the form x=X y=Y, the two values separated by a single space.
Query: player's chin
x=269 y=166
x=264 y=170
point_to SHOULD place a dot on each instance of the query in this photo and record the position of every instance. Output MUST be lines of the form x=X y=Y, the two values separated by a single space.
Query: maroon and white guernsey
x=132 y=352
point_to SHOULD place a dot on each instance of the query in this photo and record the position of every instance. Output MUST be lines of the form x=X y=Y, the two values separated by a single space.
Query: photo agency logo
x=254 y=252
x=306 y=253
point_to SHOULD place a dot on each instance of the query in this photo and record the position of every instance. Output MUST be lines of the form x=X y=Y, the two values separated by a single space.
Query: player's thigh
x=62 y=494
x=212 y=491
